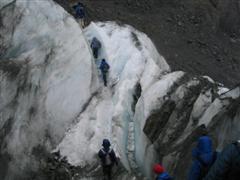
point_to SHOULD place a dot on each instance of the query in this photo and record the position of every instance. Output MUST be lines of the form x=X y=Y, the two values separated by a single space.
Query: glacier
x=52 y=96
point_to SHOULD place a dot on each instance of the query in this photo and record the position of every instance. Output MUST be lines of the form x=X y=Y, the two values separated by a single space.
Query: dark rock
x=189 y=41
x=136 y=95
x=169 y=19
x=179 y=23
x=219 y=59
x=158 y=119
x=232 y=40
x=11 y=68
x=214 y=3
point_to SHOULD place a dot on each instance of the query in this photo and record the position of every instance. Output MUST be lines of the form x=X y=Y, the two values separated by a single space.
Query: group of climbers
x=208 y=164
x=104 y=66
x=95 y=43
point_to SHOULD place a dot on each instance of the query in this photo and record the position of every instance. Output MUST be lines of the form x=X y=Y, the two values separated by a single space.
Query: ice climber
x=95 y=45
x=108 y=159
x=203 y=156
x=80 y=13
x=104 y=67
x=161 y=174
x=227 y=165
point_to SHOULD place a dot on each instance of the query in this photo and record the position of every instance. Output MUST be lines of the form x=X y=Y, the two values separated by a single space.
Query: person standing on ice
x=227 y=165
x=95 y=45
x=203 y=156
x=104 y=67
x=80 y=13
x=108 y=159
x=160 y=172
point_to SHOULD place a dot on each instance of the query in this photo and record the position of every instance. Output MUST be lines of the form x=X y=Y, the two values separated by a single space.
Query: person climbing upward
x=160 y=172
x=203 y=156
x=104 y=67
x=227 y=165
x=80 y=13
x=95 y=45
x=108 y=159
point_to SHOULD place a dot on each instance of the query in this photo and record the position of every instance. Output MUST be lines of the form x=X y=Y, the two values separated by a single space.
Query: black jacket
x=227 y=165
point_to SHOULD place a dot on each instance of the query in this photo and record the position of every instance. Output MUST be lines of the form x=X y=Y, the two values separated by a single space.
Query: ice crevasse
x=52 y=94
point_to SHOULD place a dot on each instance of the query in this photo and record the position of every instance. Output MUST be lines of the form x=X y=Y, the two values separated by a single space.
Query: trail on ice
x=134 y=62
x=107 y=93
x=97 y=120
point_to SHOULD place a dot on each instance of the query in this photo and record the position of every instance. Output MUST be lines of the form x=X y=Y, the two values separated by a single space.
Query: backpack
x=105 y=67
x=107 y=158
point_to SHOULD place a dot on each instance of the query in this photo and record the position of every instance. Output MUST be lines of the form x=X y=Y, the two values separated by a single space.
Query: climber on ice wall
x=104 y=67
x=95 y=45
x=80 y=13
x=108 y=159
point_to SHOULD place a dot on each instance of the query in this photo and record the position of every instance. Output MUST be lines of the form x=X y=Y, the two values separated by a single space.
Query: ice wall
x=52 y=95
x=134 y=62
x=146 y=108
x=46 y=80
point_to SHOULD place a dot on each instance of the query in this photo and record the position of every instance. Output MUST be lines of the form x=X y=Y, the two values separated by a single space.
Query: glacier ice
x=51 y=94
x=136 y=64
x=54 y=81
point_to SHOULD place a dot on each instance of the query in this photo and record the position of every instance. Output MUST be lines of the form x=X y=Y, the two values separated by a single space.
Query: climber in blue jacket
x=80 y=12
x=203 y=157
x=227 y=165
x=104 y=67
x=108 y=159
x=95 y=45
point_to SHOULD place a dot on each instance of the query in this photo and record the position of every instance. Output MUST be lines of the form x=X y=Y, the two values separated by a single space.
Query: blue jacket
x=203 y=157
x=95 y=44
x=227 y=165
x=164 y=176
x=203 y=152
x=79 y=10
x=104 y=67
